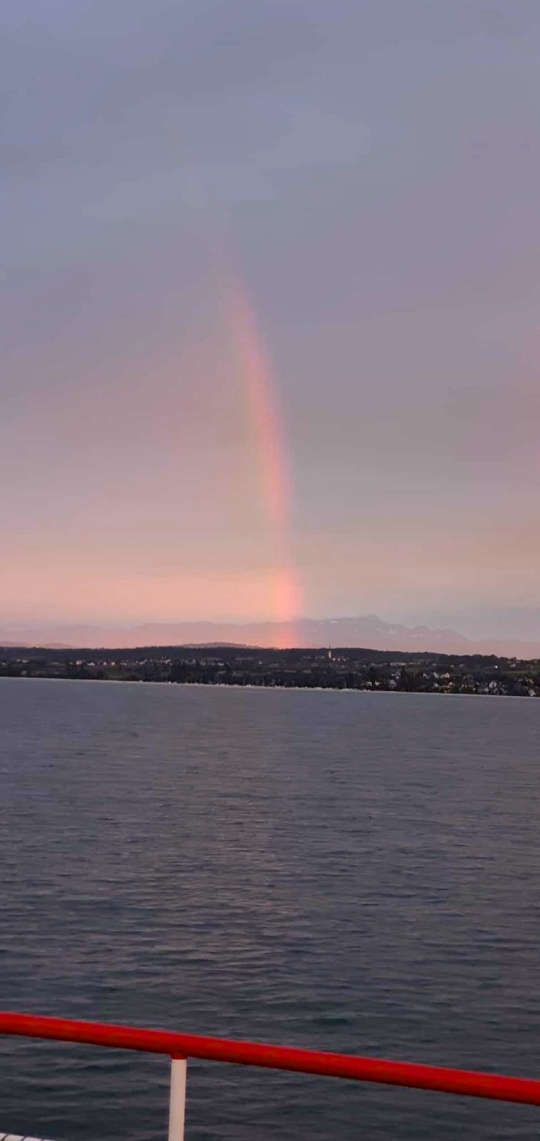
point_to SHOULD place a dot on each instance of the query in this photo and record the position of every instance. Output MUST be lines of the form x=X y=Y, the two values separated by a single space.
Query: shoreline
x=271 y=688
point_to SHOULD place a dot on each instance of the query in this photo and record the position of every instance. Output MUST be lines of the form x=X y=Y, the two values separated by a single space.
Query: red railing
x=180 y=1047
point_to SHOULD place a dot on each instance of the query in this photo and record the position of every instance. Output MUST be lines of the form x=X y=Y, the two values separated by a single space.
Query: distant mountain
x=368 y=631
x=33 y=643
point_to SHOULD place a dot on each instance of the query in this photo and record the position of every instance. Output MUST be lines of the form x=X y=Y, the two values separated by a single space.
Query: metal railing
x=180 y=1047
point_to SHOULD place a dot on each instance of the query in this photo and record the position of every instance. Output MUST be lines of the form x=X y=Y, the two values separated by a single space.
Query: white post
x=177 y=1103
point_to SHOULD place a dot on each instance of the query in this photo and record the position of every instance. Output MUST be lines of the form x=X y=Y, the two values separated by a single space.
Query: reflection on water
x=343 y=871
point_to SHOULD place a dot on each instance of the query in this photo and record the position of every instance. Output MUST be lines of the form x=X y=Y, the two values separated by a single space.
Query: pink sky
x=339 y=413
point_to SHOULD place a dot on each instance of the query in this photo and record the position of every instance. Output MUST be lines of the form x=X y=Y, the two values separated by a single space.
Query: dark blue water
x=342 y=871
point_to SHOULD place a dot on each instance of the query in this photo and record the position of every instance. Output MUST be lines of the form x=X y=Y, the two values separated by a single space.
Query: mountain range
x=368 y=631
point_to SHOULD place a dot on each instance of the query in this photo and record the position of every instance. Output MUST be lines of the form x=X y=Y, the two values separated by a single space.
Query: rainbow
x=260 y=389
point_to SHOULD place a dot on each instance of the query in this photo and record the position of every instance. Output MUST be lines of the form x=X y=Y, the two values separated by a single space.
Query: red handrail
x=467 y=1082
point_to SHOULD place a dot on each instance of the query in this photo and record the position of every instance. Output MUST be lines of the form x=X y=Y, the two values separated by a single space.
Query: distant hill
x=367 y=631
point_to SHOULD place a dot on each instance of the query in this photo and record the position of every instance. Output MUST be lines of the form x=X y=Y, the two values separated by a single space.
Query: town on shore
x=345 y=668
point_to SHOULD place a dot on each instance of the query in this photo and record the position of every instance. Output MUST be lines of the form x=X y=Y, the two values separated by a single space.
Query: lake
x=345 y=871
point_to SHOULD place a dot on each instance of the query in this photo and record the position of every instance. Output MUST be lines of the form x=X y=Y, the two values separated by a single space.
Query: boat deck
x=18 y=1137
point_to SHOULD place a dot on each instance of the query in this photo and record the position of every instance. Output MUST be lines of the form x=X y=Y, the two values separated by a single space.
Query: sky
x=270 y=310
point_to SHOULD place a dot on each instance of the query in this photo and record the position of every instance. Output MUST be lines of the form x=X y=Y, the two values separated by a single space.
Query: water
x=334 y=870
